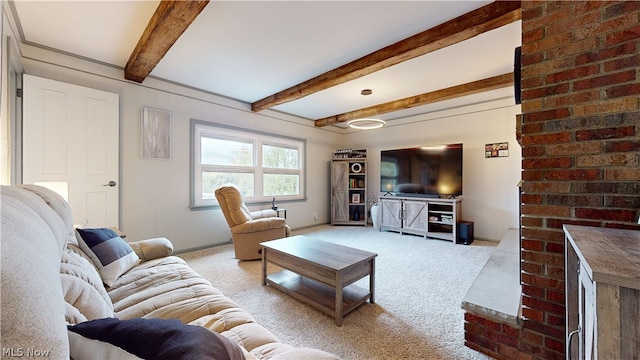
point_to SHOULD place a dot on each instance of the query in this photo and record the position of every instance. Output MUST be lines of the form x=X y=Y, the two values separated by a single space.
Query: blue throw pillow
x=160 y=339
x=111 y=255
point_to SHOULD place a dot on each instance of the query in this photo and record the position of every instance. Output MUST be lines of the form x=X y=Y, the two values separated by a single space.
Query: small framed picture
x=155 y=132
x=355 y=198
x=496 y=150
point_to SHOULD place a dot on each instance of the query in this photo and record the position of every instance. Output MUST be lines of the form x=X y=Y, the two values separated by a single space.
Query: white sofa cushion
x=111 y=255
x=32 y=310
x=153 y=248
x=83 y=290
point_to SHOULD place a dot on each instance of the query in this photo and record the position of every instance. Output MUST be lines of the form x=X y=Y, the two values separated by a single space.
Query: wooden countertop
x=609 y=255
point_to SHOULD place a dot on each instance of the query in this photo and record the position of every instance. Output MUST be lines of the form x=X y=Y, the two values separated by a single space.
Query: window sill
x=250 y=204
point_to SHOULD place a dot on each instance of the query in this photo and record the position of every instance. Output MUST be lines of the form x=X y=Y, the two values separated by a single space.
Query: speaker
x=465 y=232
x=517 y=74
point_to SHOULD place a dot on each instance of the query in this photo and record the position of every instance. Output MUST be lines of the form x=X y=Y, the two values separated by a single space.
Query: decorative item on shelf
x=355 y=198
x=273 y=204
x=349 y=154
x=446 y=219
x=373 y=200
x=342 y=153
x=356 y=215
x=356 y=167
x=367 y=123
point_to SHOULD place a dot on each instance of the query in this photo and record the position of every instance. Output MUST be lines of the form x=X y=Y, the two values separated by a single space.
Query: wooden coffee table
x=319 y=273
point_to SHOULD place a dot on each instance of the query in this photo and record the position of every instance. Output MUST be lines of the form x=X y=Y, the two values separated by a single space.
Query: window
x=261 y=165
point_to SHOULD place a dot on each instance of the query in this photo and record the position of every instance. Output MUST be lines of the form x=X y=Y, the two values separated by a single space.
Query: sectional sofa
x=86 y=293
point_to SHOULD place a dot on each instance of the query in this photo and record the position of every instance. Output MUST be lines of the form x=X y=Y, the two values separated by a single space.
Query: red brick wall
x=581 y=150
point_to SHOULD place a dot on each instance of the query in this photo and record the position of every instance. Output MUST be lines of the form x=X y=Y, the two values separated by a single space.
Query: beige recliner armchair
x=249 y=229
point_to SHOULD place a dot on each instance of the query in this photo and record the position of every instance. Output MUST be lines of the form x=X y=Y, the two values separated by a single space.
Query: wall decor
x=155 y=133
x=496 y=150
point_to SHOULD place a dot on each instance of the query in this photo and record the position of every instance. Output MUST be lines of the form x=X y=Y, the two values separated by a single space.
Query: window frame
x=258 y=138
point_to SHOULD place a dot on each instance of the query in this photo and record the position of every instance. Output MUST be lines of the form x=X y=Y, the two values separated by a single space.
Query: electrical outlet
x=315 y=216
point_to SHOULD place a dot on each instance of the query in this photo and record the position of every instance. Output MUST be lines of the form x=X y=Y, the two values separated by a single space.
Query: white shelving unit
x=349 y=191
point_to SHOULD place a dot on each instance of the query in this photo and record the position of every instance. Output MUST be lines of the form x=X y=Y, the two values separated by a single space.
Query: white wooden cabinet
x=429 y=217
x=349 y=191
x=602 y=293
x=415 y=217
x=391 y=214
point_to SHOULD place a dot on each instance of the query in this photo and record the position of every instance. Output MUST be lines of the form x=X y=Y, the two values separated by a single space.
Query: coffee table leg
x=372 y=281
x=339 y=295
x=338 y=316
x=264 y=266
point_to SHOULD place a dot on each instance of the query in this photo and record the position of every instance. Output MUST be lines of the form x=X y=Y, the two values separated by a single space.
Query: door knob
x=110 y=184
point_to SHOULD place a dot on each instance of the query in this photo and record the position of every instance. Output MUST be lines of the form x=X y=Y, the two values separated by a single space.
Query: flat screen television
x=427 y=171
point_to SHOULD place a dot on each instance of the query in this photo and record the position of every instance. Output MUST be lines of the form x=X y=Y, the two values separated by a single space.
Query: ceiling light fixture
x=367 y=123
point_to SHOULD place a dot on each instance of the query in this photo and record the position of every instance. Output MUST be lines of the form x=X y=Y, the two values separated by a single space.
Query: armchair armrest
x=154 y=248
x=262 y=224
x=260 y=214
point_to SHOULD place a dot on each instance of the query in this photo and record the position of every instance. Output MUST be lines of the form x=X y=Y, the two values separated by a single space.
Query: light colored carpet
x=420 y=285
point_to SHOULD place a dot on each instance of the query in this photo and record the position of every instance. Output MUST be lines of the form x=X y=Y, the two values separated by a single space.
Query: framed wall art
x=496 y=150
x=155 y=133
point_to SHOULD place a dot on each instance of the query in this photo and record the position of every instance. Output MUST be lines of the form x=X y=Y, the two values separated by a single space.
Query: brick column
x=581 y=149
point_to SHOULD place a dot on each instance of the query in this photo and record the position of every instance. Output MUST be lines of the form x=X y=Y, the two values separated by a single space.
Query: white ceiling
x=247 y=50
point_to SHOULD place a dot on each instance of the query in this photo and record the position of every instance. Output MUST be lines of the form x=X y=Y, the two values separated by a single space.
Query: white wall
x=166 y=183
x=490 y=193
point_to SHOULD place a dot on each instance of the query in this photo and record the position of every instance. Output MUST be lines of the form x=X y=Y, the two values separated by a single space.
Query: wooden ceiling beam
x=474 y=87
x=486 y=18
x=170 y=20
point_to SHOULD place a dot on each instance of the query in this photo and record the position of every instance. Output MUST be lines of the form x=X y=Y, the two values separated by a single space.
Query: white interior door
x=71 y=144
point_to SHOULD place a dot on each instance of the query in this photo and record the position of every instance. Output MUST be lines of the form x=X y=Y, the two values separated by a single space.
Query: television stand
x=419 y=215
